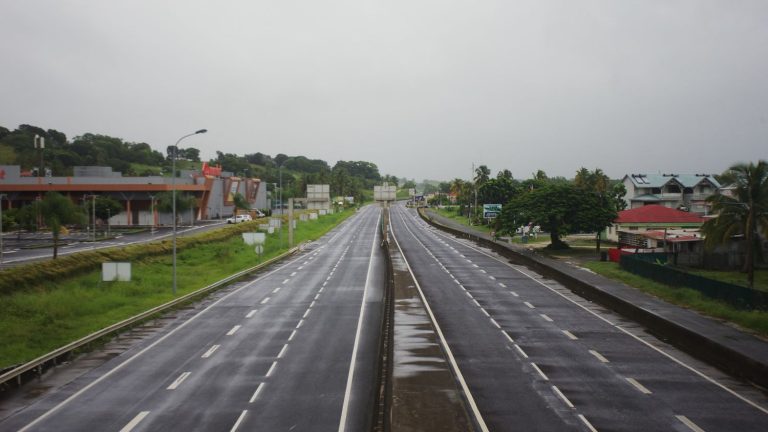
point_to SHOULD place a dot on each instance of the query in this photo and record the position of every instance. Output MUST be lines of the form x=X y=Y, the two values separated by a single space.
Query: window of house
x=673 y=189
x=633 y=228
x=655 y=190
x=688 y=190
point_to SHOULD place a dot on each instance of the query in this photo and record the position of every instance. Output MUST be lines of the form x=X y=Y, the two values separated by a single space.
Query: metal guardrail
x=38 y=363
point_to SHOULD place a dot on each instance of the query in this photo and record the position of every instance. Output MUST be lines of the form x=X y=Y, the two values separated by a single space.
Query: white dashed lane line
x=638 y=386
x=210 y=351
x=599 y=356
x=234 y=329
x=541 y=374
x=239 y=420
x=562 y=396
x=136 y=420
x=256 y=393
x=251 y=313
x=174 y=385
x=691 y=425
x=529 y=305
x=265 y=300
x=570 y=335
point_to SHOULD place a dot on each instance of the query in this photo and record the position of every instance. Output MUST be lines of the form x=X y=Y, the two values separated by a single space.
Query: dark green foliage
x=745 y=213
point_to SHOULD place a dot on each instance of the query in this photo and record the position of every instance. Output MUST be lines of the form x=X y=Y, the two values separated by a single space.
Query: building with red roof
x=653 y=218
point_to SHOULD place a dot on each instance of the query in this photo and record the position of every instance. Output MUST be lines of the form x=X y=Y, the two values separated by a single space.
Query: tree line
x=60 y=155
x=587 y=203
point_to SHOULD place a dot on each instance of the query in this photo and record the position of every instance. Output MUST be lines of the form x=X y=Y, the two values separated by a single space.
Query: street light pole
x=173 y=194
x=280 y=227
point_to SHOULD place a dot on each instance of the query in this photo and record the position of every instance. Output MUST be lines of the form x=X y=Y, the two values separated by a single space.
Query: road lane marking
x=305 y=314
x=286 y=281
x=475 y=265
x=483 y=271
x=570 y=335
x=446 y=349
x=638 y=386
x=293 y=333
x=300 y=267
x=174 y=385
x=491 y=278
x=478 y=304
x=321 y=288
x=508 y=336
x=529 y=305
x=691 y=425
x=282 y=351
x=234 y=329
x=301 y=322
x=695 y=371
x=136 y=420
x=317 y=296
x=251 y=313
x=520 y=350
x=469 y=294
x=256 y=393
x=599 y=356
x=352 y=361
x=588 y=424
x=562 y=396
x=544 y=377
x=274 y=291
x=493 y=321
x=210 y=351
x=485 y=312
x=239 y=420
x=293 y=274
x=154 y=344
x=311 y=304
x=265 y=300
x=271 y=368
x=514 y=294
x=546 y=318
x=502 y=285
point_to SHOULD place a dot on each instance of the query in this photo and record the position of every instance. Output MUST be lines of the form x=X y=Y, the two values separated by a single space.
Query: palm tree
x=57 y=211
x=744 y=213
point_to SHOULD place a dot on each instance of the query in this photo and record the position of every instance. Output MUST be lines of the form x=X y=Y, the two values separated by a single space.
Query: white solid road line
x=691 y=425
x=352 y=361
x=136 y=420
x=599 y=356
x=439 y=331
x=152 y=345
x=239 y=420
x=251 y=313
x=638 y=386
x=562 y=396
x=174 y=385
x=210 y=351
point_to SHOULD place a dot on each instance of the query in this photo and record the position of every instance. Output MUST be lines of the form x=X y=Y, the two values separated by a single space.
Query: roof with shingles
x=657 y=214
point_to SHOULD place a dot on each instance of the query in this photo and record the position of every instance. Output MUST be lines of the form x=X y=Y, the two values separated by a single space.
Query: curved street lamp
x=173 y=192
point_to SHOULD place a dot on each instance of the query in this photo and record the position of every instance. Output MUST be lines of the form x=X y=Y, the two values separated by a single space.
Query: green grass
x=753 y=320
x=734 y=277
x=36 y=321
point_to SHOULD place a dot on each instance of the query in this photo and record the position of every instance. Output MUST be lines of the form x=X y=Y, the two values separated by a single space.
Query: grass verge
x=38 y=320
x=756 y=321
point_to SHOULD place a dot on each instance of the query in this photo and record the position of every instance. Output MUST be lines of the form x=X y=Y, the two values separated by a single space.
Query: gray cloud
x=422 y=88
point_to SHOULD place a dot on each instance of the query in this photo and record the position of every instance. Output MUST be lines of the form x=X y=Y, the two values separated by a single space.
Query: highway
x=532 y=358
x=293 y=349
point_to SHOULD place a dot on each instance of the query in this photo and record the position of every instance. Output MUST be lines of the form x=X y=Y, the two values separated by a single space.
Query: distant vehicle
x=259 y=214
x=239 y=218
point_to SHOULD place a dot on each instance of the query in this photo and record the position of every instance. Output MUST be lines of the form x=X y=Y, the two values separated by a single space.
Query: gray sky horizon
x=424 y=89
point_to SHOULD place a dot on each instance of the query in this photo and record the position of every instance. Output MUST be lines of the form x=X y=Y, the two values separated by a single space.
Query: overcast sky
x=422 y=88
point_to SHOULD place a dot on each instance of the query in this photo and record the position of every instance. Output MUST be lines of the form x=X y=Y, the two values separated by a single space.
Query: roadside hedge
x=33 y=276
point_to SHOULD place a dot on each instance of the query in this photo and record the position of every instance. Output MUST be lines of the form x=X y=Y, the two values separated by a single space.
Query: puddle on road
x=425 y=395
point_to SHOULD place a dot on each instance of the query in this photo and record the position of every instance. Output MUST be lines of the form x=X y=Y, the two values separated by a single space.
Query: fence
x=737 y=296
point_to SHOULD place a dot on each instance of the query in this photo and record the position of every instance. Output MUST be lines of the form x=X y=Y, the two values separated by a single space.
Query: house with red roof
x=659 y=218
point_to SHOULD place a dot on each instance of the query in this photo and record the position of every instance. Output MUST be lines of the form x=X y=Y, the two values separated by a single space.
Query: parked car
x=239 y=218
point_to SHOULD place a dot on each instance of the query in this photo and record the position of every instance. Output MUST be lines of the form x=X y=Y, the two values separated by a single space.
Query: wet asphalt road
x=295 y=349
x=537 y=360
